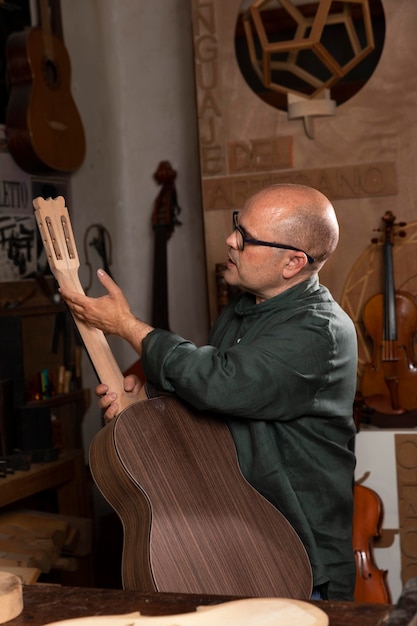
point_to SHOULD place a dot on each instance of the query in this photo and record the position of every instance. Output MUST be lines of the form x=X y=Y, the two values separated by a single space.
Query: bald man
x=279 y=367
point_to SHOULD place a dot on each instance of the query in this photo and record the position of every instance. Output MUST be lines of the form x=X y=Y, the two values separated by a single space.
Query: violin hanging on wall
x=371 y=582
x=389 y=382
x=164 y=220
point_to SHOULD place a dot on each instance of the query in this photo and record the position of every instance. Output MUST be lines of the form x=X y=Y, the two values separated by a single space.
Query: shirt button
x=238 y=340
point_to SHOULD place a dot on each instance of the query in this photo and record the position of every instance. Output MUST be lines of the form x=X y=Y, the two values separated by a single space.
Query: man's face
x=256 y=269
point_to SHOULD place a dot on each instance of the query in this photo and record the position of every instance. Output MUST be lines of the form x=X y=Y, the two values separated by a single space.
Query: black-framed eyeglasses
x=242 y=239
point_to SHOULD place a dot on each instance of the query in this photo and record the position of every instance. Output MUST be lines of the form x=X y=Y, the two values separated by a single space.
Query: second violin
x=389 y=383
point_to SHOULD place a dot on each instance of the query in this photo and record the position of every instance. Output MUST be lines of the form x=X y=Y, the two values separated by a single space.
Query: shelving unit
x=35 y=338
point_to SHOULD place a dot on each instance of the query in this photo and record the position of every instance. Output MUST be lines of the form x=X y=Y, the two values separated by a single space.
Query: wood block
x=36 y=524
x=28 y=575
x=11 y=597
x=10 y=560
x=71 y=540
x=79 y=531
x=43 y=552
x=66 y=564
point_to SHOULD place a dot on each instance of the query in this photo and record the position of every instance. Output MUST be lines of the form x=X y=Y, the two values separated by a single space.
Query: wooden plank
x=28 y=575
x=406 y=459
x=43 y=551
x=20 y=523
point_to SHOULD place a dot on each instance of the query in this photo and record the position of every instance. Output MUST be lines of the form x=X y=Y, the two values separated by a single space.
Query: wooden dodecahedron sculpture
x=272 y=58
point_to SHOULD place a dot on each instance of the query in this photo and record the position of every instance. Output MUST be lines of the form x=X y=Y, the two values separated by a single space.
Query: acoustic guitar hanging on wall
x=43 y=127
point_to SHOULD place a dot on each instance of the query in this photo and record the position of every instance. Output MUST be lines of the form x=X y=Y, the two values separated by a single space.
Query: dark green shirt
x=283 y=373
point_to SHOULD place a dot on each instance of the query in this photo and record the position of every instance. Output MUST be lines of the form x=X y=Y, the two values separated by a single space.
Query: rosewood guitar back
x=192 y=523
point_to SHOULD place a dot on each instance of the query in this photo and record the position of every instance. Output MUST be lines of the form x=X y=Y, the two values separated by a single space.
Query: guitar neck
x=45 y=24
x=95 y=343
x=58 y=240
x=390 y=318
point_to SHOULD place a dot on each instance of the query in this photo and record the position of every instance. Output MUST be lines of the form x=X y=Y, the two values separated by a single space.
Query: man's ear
x=295 y=264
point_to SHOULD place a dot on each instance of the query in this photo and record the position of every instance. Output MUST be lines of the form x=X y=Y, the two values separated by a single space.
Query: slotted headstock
x=59 y=243
x=57 y=237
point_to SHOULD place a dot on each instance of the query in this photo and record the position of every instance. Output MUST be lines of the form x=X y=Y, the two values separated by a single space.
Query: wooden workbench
x=44 y=604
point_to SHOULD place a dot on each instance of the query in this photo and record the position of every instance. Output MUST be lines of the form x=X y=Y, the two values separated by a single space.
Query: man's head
x=296 y=216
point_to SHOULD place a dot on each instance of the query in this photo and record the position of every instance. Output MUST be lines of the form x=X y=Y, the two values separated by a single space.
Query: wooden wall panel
x=363 y=157
x=406 y=457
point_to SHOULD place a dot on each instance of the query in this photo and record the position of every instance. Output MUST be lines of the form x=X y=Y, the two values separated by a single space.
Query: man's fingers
x=101 y=390
x=107 y=282
x=72 y=297
x=131 y=382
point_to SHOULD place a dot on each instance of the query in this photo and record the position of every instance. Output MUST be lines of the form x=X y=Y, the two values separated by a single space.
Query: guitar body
x=192 y=523
x=44 y=129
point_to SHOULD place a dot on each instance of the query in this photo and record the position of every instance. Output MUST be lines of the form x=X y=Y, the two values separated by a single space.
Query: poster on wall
x=18 y=242
x=21 y=252
x=15 y=188
x=18 y=247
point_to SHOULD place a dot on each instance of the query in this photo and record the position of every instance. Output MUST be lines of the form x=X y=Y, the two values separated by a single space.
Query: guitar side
x=200 y=527
x=131 y=505
x=44 y=129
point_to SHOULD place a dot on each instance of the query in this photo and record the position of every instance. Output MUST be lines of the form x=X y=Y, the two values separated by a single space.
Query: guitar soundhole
x=51 y=73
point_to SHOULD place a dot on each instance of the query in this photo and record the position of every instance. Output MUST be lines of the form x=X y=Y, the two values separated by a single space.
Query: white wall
x=133 y=83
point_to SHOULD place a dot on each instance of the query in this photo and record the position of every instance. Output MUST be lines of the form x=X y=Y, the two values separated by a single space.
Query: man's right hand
x=108 y=399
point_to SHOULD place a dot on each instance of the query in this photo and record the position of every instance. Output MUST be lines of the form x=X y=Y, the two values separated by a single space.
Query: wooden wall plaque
x=406 y=458
x=354 y=157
